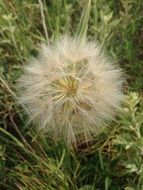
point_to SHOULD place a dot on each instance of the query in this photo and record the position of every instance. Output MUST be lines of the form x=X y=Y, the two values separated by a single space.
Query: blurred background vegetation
x=115 y=160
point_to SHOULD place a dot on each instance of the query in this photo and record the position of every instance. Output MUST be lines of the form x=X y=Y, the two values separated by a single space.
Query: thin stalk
x=43 y=19
x=83 y=24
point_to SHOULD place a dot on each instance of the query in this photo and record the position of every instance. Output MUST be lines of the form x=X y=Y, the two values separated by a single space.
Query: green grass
x=115 y=160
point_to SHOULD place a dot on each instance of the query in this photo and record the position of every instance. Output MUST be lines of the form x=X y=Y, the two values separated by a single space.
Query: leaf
x=129 y=188
x=107 y=183
x=131 y=168
x=87 y=187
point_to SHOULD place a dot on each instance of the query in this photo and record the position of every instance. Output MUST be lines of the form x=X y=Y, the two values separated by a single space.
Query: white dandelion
x=71 y=89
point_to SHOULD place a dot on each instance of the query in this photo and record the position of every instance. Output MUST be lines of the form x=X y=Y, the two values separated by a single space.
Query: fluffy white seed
x=71 y=89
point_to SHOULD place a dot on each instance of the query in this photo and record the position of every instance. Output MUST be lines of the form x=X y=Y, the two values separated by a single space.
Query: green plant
x=114 y=160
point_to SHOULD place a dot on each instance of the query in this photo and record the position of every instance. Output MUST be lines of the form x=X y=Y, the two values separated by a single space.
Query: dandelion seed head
x=71 y=89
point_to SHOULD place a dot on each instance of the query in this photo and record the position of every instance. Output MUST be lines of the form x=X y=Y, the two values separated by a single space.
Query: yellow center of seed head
x=69 y=85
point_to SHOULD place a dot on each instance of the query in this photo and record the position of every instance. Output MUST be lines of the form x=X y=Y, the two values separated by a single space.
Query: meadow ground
x=115 y=160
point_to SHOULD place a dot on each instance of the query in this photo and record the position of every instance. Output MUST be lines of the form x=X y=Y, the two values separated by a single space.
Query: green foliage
x=114 y=161
x=129 y=142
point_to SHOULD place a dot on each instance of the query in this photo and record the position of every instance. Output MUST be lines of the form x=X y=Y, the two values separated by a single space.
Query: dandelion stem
x=43 y=19
x=83 y=24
